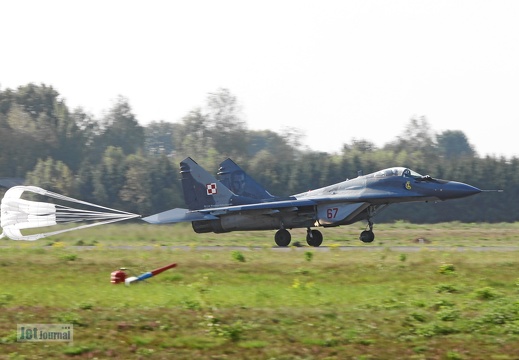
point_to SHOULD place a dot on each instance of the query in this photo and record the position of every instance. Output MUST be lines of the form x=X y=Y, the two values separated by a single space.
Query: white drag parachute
x=18 y=214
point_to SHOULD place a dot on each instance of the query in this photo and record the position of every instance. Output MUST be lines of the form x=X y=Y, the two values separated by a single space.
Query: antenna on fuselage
x=360 y=173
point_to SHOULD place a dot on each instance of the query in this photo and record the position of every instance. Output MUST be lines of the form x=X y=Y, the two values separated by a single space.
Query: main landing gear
x=313 y=237
x=282 y=237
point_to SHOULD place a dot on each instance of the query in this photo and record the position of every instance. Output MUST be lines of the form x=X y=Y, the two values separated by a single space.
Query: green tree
x=151 y=185
x=110 y=176
x=226 y=126
x=360 y=145
x=454 y=144
x=417 y=139
x=89 y=127
x=71 y=139
x=259 y=140
x=121 y=129
x=53 y=175
x=274 y=175
x=165 y=184
x=23 y=143
x=158 y=138
x=85 y=181
x=193 y=135
x=137 y=191
x=36 y=124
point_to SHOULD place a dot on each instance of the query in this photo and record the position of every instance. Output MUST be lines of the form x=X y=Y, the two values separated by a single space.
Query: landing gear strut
x=367 y=236
x=314 y=237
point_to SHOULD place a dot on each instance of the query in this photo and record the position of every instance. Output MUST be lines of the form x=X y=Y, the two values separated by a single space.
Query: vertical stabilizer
x=240 y=183
x=201 y=189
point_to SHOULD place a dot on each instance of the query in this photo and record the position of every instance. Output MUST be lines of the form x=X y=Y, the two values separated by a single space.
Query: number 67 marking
x=331 y=213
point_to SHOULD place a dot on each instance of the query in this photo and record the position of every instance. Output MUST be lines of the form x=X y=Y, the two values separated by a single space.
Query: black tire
x=314 y=238
x=367 y=236
x=282 y=238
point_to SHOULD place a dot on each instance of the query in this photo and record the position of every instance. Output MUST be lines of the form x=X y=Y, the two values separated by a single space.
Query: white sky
x=337 y=69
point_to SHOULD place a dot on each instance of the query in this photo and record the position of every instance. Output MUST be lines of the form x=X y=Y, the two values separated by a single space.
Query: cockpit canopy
x=396 y=171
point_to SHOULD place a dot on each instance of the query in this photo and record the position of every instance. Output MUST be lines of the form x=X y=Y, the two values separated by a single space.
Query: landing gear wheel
x=314 y=238
x=367 y=236
x=282 y=238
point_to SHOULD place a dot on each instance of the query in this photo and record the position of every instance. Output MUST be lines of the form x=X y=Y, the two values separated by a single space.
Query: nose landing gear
x=367 y=236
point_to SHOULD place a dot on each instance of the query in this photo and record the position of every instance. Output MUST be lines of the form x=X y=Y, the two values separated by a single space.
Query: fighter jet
x=237 y=202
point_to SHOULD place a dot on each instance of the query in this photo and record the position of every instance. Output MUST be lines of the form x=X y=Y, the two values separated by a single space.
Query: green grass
x=260 y=303
x=399 y=233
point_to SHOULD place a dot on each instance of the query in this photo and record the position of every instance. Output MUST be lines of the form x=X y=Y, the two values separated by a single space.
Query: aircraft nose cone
x=454 y=190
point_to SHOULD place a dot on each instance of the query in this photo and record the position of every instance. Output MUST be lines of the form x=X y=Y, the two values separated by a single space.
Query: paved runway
x=308 y=248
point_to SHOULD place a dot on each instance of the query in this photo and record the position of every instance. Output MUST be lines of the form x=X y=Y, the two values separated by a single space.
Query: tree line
x=116 y=162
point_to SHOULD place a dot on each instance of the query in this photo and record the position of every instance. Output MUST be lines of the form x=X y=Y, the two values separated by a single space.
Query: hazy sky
x=338 y=70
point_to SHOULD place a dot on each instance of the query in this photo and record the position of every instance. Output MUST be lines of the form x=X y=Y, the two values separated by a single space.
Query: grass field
x=444 y=300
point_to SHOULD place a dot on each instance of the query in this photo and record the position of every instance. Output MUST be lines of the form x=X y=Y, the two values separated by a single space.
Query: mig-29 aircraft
x=237 y=202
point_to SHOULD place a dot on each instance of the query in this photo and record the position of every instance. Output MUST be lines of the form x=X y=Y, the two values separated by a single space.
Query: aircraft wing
x=177 y=215
x=181 y=215
x=270 y=205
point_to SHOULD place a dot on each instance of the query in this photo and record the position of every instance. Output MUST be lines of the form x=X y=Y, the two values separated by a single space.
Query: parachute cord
x=43 y=235
x=66 y=198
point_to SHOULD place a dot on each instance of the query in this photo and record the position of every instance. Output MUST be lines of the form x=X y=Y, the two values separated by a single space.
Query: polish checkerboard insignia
x=211 y=189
